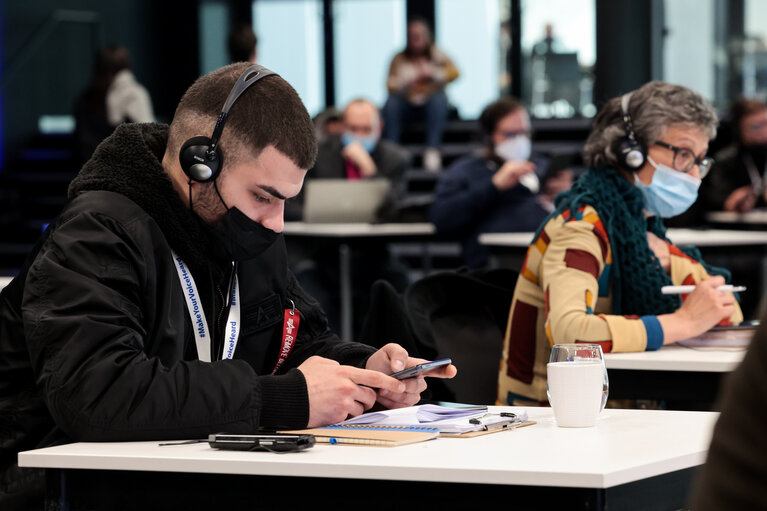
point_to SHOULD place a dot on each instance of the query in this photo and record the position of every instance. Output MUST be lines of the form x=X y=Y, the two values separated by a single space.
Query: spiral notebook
x=362 y=434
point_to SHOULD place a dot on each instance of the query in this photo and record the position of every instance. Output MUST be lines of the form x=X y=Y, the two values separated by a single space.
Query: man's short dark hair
x=495 y=111
x=242 y=42
x=268 y=113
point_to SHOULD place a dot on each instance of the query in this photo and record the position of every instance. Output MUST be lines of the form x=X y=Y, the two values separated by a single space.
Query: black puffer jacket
x=96 y=343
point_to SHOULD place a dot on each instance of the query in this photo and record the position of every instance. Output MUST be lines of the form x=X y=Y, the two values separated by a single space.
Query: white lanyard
x=201 y=333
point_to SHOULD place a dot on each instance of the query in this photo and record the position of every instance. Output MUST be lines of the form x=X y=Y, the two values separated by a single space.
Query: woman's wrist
x=676 y=326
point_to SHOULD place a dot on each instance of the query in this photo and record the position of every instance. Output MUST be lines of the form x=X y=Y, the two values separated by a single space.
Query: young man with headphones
x=159 y=304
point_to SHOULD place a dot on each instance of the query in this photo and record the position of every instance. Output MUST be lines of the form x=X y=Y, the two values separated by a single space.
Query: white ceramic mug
x=576 y=384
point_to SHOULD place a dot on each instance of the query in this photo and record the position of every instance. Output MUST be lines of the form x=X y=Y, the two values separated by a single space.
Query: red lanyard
x=290 y=324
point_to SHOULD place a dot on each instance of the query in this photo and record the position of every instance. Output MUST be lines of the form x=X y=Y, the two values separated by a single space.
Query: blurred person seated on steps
x=358 y=152
x=558 y=178
x=737 y=181
x=416 y=83
x=242 y=43
x=329 y=121
x=494 y=190
x=113 y=97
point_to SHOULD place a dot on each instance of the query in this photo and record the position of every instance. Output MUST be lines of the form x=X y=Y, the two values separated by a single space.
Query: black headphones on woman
x=200 y=157
x=631 y=154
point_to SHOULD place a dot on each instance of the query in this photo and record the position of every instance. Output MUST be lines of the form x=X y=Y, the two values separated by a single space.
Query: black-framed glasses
x=685 y=160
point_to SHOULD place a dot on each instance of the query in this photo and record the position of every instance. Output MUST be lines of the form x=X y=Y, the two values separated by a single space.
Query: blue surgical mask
x=367 y=143
x=670 y=193
x=514 y=149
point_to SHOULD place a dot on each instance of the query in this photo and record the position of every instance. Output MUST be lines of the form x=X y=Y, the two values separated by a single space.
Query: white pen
x=680 y=290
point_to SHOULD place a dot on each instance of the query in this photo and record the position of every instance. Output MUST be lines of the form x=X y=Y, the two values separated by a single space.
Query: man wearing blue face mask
x=495 y=190
x=359 y=153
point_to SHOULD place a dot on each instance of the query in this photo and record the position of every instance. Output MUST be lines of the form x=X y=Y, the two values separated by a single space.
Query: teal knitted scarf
x=636 y=274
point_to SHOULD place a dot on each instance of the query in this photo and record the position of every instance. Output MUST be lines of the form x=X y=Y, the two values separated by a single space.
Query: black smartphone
x=261 y=442
x=414 y=371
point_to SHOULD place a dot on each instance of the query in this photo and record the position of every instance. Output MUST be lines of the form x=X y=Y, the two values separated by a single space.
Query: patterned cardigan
x=563 y=295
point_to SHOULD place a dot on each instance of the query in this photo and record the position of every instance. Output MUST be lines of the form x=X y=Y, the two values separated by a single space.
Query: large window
x=558 y=55
x=367 y=34
x=754 y=67
x=689 y=45
x=213 y=22
x=290 y=35
x=470 y=33
x=716 y=48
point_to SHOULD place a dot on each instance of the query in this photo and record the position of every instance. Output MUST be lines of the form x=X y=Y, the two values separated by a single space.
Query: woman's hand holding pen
x=701 y=310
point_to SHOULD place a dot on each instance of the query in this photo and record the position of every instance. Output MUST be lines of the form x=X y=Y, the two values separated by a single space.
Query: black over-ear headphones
x=200 y=157
x=630 y=152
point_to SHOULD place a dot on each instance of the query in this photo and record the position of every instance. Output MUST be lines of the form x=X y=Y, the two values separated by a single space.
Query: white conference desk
x=347 y=233
x=357 y=230
x=682 y=377
x=700 y=238
x=678 y=358
x=756 y=217
x=4 y=281
x=629 y=457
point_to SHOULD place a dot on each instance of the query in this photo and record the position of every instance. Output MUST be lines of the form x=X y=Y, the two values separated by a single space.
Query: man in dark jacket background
x=495 y=190
x=97 y=341
x=359 y=153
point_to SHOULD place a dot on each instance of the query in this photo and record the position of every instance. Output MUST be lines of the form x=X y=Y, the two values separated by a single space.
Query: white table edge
x=49 y=458
x=340 y=230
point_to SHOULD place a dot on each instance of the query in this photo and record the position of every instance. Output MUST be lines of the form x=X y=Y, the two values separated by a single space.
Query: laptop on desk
x=343 y=200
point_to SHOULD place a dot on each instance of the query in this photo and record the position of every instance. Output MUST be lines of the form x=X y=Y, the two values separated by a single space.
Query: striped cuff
x=654 y=332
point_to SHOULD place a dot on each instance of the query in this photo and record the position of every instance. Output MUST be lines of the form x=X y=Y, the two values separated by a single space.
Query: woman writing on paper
x=595 y=268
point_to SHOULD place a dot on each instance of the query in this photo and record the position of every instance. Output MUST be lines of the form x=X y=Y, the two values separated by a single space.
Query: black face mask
x=242 y=237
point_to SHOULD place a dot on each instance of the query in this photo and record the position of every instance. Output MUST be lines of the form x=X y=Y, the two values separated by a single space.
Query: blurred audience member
x=360 y=152
x=242 y=43
x=495 y=190
x=558 y=178
x=113 y=97
x=416 y=83
x=357 y=153
x=738 y=177
x=329 y=122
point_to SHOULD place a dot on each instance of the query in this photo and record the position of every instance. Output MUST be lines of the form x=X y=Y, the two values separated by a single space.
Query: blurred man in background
x=495 y=190
x=737 y=181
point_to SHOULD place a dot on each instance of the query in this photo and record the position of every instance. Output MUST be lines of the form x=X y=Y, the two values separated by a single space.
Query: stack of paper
x=449 y=421
x=722 y=337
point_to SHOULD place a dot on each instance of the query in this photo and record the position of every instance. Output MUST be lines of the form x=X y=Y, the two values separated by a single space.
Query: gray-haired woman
x=595 y=268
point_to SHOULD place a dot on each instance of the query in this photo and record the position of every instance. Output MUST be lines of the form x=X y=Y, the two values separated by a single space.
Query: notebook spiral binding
x=382 y=427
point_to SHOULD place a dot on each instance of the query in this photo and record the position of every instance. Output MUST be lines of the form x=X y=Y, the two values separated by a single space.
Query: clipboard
x=495 y=428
